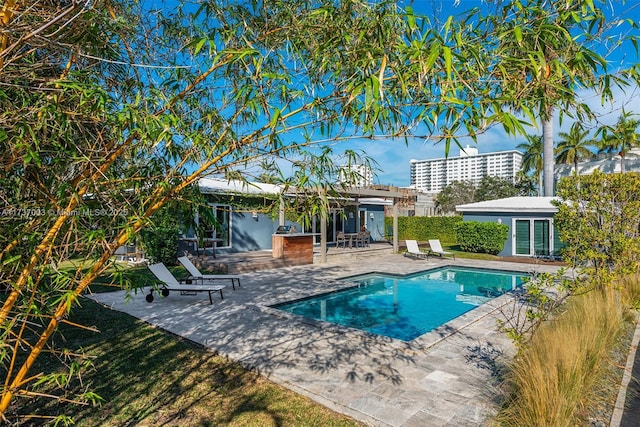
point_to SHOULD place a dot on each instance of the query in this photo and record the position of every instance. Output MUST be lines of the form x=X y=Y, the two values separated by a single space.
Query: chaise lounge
x=195 y=274
x=414 y=250
x=170 y=283
x=436 y=249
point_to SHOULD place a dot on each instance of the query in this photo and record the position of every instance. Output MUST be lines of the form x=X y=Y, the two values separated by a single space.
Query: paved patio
x=447 y=377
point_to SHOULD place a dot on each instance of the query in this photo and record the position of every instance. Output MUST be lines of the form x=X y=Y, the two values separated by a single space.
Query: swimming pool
x=405 y=307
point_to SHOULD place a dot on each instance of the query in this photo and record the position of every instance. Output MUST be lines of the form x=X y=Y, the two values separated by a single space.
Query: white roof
x=512 y=204
x=375 y=201
x=217 y=185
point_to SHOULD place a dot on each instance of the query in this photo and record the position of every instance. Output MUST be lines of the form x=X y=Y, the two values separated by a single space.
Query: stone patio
x=447 y=377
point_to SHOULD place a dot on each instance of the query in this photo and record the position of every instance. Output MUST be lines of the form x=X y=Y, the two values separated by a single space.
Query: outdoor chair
x=170 y=283
x=414 y=251
x=194 y=274
x=436 y=249
x=362 y=239
x=341 y=239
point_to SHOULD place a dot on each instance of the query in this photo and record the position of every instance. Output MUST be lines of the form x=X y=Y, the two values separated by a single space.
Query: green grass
x=148 y=378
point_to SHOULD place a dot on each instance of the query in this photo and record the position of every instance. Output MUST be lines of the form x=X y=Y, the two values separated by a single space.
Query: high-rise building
x=356 y=175
x=433 y=175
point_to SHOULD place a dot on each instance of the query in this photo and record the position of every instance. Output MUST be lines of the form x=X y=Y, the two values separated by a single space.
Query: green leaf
x=517 y=32
x=274 y=118
x=446 y=52
x=411 y=19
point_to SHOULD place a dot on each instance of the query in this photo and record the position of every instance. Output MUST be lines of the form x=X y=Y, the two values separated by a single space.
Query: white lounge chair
x=436 y=249
x=414 y=250
x=170 y=283
x=195 y=274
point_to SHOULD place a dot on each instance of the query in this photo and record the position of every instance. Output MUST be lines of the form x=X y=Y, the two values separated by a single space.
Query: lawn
x=148 y=377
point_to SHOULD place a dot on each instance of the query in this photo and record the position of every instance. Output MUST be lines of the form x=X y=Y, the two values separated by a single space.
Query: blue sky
x=393 y=156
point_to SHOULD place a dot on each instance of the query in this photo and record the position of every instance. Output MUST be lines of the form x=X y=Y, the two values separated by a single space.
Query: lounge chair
x=436 y=249
x=170 y=283
x=194 y=274
x=414 y=250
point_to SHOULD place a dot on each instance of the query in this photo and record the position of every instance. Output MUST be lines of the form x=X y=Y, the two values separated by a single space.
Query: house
x=603 y=162
x=530 y=222
x=239 y=229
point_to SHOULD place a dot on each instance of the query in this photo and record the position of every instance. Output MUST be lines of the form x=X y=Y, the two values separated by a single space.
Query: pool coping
x=424 y=341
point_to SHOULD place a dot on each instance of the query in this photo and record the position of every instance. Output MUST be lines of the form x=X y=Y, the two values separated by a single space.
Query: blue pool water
x=405 y=307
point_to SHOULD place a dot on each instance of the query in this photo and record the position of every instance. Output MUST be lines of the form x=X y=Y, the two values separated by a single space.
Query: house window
x=218 y=225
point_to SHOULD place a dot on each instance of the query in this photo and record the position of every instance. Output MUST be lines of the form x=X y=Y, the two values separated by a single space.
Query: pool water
x=405 y=307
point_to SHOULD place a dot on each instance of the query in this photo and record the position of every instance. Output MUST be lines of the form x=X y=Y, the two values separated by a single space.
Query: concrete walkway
x=447 y=377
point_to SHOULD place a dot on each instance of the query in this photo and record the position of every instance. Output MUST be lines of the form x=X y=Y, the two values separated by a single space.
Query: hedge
x=482 y=237
x=423 y=228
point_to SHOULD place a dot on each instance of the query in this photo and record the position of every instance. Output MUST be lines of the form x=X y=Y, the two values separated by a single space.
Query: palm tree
x=620 y=138
x=545 y=55
x=532 y=160
x=574 y=146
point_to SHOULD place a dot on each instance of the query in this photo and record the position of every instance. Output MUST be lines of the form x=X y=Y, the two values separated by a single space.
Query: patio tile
x=381 y=381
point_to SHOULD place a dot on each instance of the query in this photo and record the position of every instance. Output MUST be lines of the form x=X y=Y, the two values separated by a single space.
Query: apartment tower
x=433 y=175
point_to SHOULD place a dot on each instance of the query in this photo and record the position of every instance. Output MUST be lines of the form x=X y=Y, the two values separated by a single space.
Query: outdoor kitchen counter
x=294 y=247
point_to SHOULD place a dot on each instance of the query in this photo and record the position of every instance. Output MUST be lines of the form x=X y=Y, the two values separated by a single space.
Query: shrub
x=426 y=227
x=160 y=239
x=481 y=237
x=557 y=376
x=161 y=244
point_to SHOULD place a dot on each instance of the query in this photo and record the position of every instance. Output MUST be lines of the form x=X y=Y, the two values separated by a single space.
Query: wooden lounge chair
x=436 y=249
x=414 y=251
x=194 y=274
x=170 y=283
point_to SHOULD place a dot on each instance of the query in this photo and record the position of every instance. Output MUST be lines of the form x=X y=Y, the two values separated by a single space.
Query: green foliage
x=456 y=193
x=481 y=237
x=574 y=146
x=493 y=187
x=161 y=244
x=621 y=137
x=532 y=162
x=463 y=192
x=543 y=294
x=599 y=220
x=103 y=123
x=424 y=228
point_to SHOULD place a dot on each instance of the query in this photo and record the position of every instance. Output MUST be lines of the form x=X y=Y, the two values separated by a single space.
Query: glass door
x=541 y=237
x=522 y=244
x=532 y=237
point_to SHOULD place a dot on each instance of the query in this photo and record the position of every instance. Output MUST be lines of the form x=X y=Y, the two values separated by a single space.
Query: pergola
x=358 y=193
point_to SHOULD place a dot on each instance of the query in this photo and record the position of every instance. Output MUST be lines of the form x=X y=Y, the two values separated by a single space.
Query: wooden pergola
x=358 y=193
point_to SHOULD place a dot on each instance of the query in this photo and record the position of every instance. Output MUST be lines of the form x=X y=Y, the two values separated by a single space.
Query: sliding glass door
x=532 y=237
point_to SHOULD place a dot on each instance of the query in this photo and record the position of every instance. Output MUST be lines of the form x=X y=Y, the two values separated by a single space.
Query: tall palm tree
x=574 y=146
x=532 y=160
x=545 y=53
x=621 y=137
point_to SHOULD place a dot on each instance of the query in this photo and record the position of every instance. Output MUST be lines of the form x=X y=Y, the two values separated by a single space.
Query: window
x=218 y=225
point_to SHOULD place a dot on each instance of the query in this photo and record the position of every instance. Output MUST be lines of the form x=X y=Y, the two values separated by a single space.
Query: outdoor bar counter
x=296 y=248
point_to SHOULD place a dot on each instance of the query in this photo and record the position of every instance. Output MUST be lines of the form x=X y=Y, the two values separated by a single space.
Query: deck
x=245 y=262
